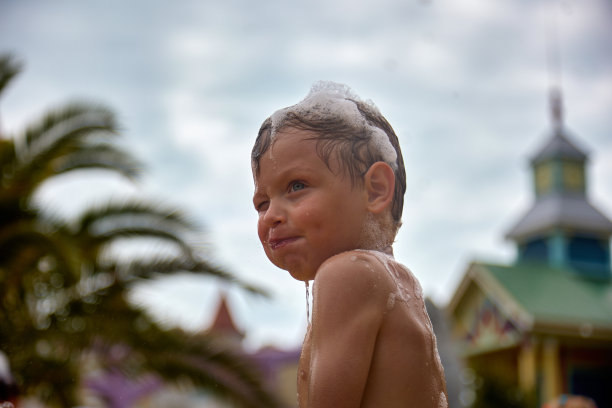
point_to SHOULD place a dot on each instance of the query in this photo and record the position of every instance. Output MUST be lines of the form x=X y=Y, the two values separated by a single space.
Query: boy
x=329 y=187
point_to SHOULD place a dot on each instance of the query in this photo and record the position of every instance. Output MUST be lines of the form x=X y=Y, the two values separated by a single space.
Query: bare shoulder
x=347 y=264
x=353 y=273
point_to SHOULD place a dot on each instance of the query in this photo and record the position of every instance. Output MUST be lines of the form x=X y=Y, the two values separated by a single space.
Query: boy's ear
x=379 y=183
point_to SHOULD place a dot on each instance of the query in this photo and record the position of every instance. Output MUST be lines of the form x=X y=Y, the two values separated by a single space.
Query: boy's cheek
x=262 y=239
x=261 y=230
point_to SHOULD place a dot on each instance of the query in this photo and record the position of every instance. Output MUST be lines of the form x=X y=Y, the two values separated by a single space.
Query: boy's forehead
x=293 y=133
x=288 y=151
x=291 y=140
x=296 y=149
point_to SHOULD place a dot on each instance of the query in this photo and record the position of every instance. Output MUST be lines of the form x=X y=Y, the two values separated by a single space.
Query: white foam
x=331 y=99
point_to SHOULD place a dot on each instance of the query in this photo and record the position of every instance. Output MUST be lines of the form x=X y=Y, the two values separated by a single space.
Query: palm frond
x=104 y=225
x=9 y=68
x=68 y=122
x=175 y=355
x=7 y=156
x=101 y=156
x=130 y=210
x=222 y=371
x=22 y=237
x=223 y=374
x=115 y=232
x=63 y=288
x=49 y=378
x=59 y=135
x=164 y=266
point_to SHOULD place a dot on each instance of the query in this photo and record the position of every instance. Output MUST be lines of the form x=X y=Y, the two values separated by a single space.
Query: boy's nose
x=275 y=214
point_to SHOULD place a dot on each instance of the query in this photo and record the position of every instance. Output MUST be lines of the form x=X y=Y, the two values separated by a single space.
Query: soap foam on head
x=330 y=99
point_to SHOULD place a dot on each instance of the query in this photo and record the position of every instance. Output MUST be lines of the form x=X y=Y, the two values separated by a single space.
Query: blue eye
x=297 y=186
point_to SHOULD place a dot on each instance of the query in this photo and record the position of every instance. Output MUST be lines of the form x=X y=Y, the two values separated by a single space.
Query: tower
x=562 y=228
x=223 y=326
x=544 y=323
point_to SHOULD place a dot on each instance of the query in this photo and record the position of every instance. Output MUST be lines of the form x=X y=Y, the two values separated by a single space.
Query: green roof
x=556 y=296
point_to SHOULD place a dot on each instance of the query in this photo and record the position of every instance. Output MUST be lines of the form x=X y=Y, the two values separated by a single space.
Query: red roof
x=223 y=322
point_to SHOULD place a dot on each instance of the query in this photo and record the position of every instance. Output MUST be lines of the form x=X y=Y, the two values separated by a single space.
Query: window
x=536 y=250
x=544 y=178
x=573 y=176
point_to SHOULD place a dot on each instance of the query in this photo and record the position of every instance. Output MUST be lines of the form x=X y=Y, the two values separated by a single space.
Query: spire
x=556 y=109
x=223 y=321
x=223 y=325
x=562 y=228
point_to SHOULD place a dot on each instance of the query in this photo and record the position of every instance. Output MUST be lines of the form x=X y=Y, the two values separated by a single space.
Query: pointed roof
x=223 y=323
x=561 y=147
x=570 y=212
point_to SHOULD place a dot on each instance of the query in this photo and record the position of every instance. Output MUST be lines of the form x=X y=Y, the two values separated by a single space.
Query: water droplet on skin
x=438 y=361
x=411 y=295
x=442 y=402
x=391 y=301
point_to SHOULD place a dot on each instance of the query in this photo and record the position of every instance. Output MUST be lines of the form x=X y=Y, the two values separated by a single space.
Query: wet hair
x=357 y=138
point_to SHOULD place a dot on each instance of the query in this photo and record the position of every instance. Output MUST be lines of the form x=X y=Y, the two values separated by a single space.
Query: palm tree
x=63 y=292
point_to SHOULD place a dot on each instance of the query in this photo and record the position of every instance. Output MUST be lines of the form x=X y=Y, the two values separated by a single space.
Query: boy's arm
x=347 y=314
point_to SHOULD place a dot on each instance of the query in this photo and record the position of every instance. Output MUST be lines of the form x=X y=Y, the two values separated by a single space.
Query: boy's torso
x=405 y=369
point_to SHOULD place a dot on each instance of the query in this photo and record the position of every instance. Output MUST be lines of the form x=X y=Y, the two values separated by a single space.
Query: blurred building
x=112 y=389
x=453 y=369
x=278 y=367
x=223 y=326
x=544 y=323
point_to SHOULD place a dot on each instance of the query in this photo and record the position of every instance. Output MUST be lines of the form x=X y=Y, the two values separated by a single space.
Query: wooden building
x=544 y=323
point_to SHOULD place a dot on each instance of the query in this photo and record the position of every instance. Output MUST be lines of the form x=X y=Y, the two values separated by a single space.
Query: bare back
x=371 y=343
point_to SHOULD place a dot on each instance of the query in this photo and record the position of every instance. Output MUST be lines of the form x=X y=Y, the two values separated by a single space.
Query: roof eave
x=488 y=284
x=584 y=330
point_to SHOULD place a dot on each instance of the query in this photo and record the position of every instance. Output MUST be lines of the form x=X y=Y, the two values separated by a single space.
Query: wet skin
x=370 y=343
x=307 y=211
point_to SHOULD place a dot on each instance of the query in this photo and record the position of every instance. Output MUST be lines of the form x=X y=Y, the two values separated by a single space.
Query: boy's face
x=307 y=213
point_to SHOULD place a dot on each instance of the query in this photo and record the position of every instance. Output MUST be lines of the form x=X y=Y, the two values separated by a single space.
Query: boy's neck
x=388 y=250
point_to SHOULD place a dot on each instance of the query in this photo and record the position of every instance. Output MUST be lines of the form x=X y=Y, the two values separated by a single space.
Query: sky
x=464 y=84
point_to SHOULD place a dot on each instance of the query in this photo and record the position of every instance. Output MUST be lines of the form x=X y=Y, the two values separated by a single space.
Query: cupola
x=562 y=228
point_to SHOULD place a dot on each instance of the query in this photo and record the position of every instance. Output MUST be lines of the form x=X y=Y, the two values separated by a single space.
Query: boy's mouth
x=277 y=243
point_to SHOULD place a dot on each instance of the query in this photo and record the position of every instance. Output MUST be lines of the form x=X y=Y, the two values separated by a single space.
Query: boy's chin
x=301 y=275
x=296 y=270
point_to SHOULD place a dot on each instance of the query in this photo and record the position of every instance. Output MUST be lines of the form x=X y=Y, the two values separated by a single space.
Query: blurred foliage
x=62 y=295
x=494 y=392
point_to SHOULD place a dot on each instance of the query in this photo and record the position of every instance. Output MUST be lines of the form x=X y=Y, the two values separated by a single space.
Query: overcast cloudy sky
x=463 y=82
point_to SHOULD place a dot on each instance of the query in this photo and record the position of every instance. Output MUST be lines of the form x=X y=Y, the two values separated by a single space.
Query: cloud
x=464 y=85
